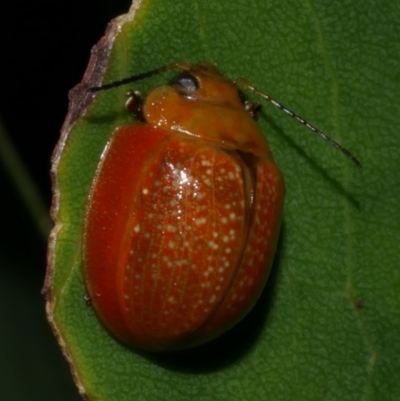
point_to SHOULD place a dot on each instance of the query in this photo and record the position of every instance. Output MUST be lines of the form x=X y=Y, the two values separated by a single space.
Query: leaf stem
x=24 y=184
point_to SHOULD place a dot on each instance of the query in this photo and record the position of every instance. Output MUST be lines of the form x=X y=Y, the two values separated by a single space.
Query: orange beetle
x=183 y=216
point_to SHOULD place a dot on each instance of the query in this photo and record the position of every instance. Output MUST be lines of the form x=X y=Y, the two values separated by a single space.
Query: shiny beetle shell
x=183 y=216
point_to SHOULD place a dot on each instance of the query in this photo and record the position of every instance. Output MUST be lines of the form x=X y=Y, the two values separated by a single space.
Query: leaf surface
x=328 y=323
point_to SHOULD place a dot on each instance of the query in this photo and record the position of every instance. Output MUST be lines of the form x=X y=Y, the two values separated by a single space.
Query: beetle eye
x=186 y=83
x=252 y=108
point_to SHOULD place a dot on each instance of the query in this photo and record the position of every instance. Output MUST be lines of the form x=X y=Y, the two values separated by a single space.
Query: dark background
x=45 y=47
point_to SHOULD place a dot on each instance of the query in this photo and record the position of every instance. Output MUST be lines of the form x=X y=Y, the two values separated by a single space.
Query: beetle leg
x=134 y=104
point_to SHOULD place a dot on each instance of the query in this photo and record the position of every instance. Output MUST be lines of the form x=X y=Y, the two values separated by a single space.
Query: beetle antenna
x=180 y=65
x=246 y=84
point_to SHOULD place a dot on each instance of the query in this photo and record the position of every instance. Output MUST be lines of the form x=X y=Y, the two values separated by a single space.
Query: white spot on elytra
x=145 y=191
x=171 y=228
x=200 y=221
x=137 y=228
x=212 y=299
x=171 y=244
x=213 y=245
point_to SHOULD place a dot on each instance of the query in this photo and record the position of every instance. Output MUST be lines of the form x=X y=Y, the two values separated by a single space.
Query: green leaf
x=328 y=323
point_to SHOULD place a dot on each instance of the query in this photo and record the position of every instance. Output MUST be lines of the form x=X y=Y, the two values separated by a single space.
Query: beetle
x=184 y=212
